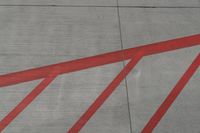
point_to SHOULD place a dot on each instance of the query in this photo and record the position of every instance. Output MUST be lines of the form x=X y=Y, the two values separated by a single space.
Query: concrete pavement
x=34 y=34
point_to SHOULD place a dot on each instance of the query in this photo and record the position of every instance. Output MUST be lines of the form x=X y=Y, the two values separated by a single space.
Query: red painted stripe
x=84 y=63
x=27 y=100
x=172 y=96
x=105 y=94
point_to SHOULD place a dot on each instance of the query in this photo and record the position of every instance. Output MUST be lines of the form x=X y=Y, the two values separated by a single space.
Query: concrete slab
x=37 y=36
x=61 y=2
x=185 y=111
x=34 y=33
x=156 y=75
x=65 y=100
x=152 y=81
x=145 y=26
x=160 y=3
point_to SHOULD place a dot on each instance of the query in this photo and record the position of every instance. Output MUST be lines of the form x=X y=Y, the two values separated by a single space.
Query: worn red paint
x=84 y=63
x=172 y=96
x=105 y=94
x=28 y=99
x=98 y=60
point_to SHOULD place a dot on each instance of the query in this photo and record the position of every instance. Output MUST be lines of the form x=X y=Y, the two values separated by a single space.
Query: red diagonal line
x=84 y=63
x=27 y=100
x=172 y=96
x=105 y=94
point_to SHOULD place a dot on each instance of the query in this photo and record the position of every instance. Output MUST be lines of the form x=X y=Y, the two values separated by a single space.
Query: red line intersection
x=49 y=73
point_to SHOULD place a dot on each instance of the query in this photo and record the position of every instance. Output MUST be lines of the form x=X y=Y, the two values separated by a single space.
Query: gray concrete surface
x=61 y=2
x=161 y=3
x=34 y=34
x=156 y=75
